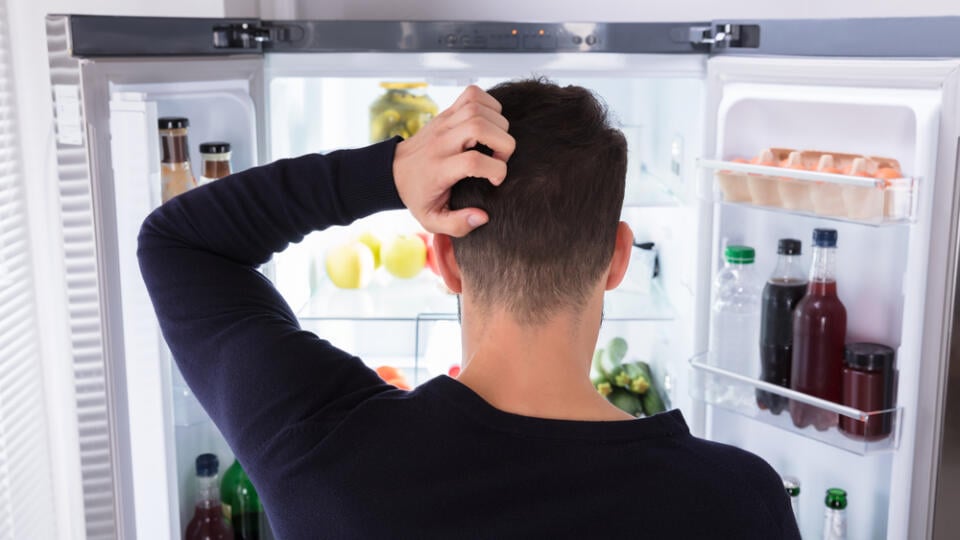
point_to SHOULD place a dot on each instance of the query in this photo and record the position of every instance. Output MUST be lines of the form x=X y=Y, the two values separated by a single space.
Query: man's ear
x=447 y=262
x=621 y=256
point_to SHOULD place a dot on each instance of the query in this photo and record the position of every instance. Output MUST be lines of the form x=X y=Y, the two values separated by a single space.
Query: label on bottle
x=835 y=524
x=227 y=513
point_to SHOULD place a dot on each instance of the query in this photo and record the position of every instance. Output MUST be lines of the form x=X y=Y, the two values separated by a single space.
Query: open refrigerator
x=690 y=97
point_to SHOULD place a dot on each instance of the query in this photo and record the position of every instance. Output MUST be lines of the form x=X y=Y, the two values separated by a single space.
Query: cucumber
x=651 y=400
x=625 y=401
x=617 y=350
x=599 y=370
x=640 y=380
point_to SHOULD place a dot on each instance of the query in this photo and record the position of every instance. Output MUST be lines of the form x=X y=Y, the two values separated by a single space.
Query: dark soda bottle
x=241 y=505
x=783 y=291
x=819 y=330
x=208 y=522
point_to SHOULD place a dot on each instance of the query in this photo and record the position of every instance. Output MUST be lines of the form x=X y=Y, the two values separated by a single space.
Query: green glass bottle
x=835 y=518
x=241 y=505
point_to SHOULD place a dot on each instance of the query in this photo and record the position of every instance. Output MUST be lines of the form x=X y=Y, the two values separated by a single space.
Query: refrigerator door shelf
x=866 y=200
x=737 y=393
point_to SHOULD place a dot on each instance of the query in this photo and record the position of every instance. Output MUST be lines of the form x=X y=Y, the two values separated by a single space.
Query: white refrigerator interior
x=881 y=275
x=167 y=426
x=675 y=111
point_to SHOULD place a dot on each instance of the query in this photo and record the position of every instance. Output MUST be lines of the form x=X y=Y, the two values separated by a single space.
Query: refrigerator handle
x=252 y=36
x=726 y=36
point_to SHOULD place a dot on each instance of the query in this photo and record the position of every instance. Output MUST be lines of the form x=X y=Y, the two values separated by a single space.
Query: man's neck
x=538 y=370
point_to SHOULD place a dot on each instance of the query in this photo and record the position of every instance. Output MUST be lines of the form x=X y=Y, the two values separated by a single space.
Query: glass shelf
x=646 y=190
x=856 y=199
x=737 y=393
x=408 y=300
x=386 y=299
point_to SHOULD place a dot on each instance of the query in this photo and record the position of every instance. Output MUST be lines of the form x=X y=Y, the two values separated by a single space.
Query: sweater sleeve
x=236 y=341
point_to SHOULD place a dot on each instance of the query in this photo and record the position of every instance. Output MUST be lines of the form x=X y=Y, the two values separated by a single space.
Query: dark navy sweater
x=336 y=453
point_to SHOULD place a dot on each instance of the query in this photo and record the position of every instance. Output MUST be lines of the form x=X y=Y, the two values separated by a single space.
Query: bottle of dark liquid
x=242 y=506
x=819 y=330
x=783 y=291
x=208 y=522
x=175 y=174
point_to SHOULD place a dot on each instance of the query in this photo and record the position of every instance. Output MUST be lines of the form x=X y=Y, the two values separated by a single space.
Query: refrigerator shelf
x=866 y=200
x=737 y=393
x=407 y=300
x=648 y=190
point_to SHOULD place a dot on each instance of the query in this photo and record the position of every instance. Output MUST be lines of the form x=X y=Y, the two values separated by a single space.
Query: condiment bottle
x=216 y=161
x=208 y=522
x=835 y=515
x=786 y=286
x=868 y=376
x=175 y=174
x=819 y=331
x=792 y=486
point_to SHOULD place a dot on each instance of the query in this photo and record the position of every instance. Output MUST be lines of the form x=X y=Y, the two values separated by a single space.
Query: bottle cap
x=788 y=246
x=739 y=254
x=825 y=237
x=218 y=147
x=207 y=464
x=836 y=498
x=791 y=485
x=869 y=357
x=173 y=122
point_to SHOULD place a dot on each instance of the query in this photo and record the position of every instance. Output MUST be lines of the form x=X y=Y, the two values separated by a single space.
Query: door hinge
x=722 y=36
x=241 y=36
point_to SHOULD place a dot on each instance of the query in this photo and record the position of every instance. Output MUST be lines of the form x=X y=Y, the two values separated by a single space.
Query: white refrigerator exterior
x=137 y=446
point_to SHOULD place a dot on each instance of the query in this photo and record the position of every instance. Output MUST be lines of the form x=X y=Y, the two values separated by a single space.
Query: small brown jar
x=868 y=377
x=216 y=161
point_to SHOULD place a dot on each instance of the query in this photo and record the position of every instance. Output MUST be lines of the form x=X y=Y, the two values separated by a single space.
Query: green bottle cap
x=836 y=498
x=792 y=486
x=739 y=254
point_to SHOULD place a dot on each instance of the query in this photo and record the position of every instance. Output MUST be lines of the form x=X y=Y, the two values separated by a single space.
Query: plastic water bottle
x=735 y=322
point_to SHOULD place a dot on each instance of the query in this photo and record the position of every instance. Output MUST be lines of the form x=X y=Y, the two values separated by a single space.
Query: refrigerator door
x=138 y=426
x=894 y=275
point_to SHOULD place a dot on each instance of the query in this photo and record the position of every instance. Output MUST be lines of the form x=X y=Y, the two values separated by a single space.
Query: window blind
x=25 y=467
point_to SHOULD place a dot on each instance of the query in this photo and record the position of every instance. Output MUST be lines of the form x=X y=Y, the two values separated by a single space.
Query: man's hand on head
x=428 y=164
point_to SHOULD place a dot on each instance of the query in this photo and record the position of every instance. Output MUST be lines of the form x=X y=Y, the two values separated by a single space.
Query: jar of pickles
x=402 y=110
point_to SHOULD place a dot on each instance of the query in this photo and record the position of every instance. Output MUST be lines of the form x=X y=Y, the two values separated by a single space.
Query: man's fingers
x=476 y=165
x=479 y=130
x=456 y=223
x=474 y=93
x=474 y=109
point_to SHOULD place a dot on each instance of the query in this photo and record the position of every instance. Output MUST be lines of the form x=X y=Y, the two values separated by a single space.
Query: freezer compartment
x=860 y=432
x=837 y=196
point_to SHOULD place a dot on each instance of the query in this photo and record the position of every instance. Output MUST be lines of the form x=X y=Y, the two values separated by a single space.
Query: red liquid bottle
x=208 y=522
x=819 y=331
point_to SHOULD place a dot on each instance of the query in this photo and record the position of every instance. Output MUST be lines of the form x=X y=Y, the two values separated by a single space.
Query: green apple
x=404 y=256
x=371 y=241
x=350 y=266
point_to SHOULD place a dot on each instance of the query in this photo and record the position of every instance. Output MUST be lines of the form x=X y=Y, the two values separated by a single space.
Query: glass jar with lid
x=175 y=174
x=402 y=110
x=216 y=161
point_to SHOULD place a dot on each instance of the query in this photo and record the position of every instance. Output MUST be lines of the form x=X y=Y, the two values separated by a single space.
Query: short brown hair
x=553 y=220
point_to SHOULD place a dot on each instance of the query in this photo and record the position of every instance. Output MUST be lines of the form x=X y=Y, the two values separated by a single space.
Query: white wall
x=35 y=117
x=593 y=10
